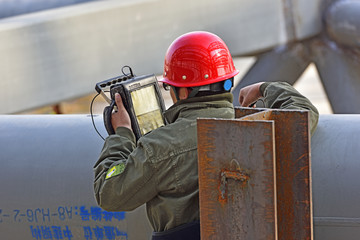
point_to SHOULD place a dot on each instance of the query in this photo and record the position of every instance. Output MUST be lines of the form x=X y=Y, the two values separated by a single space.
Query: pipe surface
x=336 y=179
x=46 y=180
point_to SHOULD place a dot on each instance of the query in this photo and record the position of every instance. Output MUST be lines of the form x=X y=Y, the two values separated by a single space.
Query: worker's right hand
x=250 y=94
x=121 y=117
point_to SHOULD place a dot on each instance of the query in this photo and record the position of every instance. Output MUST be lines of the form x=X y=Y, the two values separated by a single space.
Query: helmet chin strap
x=175 y=90
x=194 y=91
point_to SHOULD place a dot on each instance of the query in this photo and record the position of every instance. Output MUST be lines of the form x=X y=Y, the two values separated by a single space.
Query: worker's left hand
x=120 y=118
x=250 y=94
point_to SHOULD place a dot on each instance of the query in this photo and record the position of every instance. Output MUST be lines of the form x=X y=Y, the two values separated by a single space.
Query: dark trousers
x=189 y=231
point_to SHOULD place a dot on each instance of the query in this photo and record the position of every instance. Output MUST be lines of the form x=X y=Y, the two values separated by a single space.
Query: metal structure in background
x=335 y=52
x=46 y=179
x=44 y=53
x=59 y=54
x=254 y=176
x=10 y=8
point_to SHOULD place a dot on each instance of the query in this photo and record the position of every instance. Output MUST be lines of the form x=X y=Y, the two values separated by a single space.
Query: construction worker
x=160 y=170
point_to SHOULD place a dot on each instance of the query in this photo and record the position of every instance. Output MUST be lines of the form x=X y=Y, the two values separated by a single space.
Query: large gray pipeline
x=336 y=179
x=46 y=180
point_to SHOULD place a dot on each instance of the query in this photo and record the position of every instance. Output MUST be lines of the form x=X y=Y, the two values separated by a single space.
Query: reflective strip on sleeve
x=115 y=170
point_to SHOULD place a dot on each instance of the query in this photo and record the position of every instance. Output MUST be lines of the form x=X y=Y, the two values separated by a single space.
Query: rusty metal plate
x=258 y=116
x=237 y=179
x=244 y=111
x=293 y=175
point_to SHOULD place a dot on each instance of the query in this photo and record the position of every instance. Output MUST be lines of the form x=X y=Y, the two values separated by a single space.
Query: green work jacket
x=161 y=168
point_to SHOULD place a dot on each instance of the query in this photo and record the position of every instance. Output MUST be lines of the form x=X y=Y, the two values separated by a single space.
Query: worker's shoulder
x=170 y=140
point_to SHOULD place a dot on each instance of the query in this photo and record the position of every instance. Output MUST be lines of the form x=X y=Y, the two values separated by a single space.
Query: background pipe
x=46 y=179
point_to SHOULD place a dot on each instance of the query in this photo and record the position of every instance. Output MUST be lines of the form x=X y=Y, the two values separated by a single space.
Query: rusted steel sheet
x=243 y=111
x=293 y=176
x=226 y=147
x=237 y=179
x=263 y=115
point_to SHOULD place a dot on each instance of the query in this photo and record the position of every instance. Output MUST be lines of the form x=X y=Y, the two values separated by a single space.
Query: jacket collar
x=180 y=107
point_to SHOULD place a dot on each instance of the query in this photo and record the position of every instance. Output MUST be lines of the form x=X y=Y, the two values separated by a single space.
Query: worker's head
x=198 y=63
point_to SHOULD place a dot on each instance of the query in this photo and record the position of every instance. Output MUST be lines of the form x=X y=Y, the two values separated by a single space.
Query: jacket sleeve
x=282 y=95
x=123 y=174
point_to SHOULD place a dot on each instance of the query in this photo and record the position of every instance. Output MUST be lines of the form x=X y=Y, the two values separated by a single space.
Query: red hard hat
x=197 y=59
